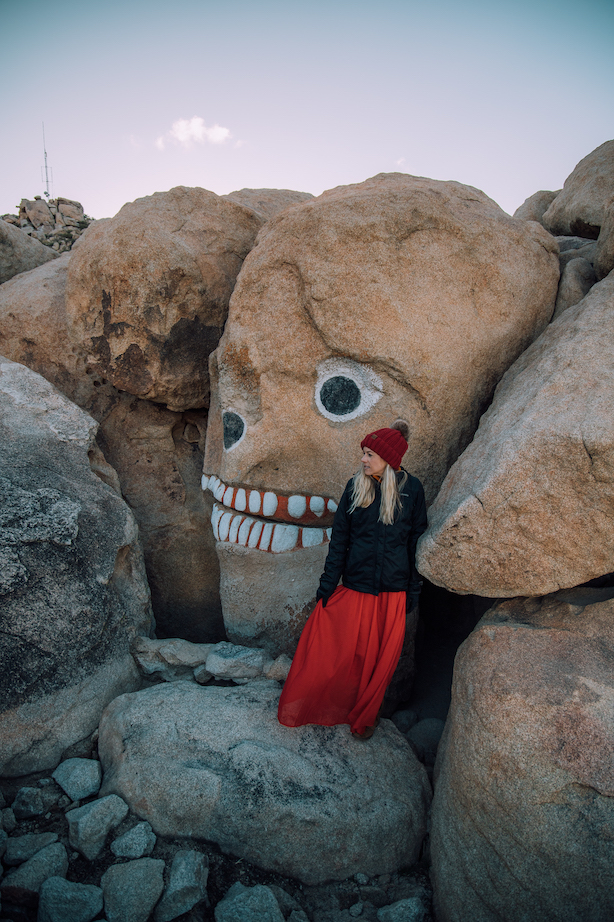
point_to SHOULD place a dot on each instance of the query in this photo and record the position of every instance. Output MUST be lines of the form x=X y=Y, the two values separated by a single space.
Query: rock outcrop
x=528 y=508
x=57 y=224
x=580 y=207
x=533 y=208
x=148 y=291
x=397 y=296
x=311 y=803
x=19 y=253
x=267 y=202
x=523 y=813
x=72 y=580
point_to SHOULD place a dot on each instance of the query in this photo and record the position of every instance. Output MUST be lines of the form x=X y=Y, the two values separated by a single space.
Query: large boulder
x=311 y=803
x=267 y=202
x=523 y=813
x=157 y=453
x=72 y=582
x=398 y=296
x=533 y=208
x=148 y=291
x=580 y=207
x=527 y=509
x=604 y=256
x=19 y=252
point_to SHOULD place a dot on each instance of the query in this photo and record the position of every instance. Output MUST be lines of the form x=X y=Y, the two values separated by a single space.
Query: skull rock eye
x=234 y=429
x=345 y=389
x=340 y=395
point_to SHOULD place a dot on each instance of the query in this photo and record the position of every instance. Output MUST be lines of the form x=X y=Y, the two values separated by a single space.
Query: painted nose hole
x=234 y=429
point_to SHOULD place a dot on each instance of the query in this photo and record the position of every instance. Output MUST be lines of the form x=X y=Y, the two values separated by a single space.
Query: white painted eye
x=234 y=428
x=346 y=389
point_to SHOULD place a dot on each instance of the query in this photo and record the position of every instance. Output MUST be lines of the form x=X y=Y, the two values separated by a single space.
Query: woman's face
x=372 y=464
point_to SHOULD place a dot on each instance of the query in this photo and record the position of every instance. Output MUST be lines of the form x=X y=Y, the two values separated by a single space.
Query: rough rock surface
x=533 y=208
x=577 y=279
x=131 y=890
x=158 y=454
x=523 y=814
x=72 y=582
x=19 y=253
x=64 y=901
x=148 y=291
x=529 y=507
x=304 y=369
x=604 y=256
x=248 y=904
x=580 y=207
x=311 y=803
x=267 y=202
x=51 y=861
x=187 y=885
x=89 y=826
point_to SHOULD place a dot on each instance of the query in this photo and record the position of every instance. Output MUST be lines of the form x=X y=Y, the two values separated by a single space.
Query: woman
x=351 y=644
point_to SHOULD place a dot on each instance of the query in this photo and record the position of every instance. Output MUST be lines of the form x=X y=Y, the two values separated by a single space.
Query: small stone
x=356 y=910
x=22 y=848
x=361 y=879
x=64 y=801
x=409 y=910
x=28 y=803
x=8 y=820
x=187 y=885
x=248 y=904
x=202 y=675
x=279 y=668
x=51 y=861
x=285 y=902
x=132 y=890
x=79 y=778
x=64 y=901
x=135 y=843
x=89 y=826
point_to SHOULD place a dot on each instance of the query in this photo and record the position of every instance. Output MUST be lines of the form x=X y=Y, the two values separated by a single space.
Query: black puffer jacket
x=370 y=556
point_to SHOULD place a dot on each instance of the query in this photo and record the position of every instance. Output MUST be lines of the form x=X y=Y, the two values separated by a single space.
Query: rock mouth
x=257 y=519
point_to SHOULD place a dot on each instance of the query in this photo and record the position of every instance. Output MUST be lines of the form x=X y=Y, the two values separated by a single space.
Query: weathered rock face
x=58 y=223
x=398 y=296
x=577 y=279
x=604 y=256
x=533 y=208
x=19 y=253
x=311 y=803
x=528 y=508
x=72 y=582
x=158 y=454
x=523 y=814
x=267 y=202
x=148 y=292
x=580 y=207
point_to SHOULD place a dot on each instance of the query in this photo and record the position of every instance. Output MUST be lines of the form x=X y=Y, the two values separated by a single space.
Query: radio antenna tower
x=47 y=170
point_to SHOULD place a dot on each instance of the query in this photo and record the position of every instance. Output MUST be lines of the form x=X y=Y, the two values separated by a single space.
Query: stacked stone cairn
x=57 y=223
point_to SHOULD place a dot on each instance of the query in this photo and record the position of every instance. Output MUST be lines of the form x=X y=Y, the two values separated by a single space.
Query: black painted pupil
x=233 y=429
x=340 y=395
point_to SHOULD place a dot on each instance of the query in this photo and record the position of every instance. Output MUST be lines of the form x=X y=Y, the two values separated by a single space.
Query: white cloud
x=188 y=131
x=400 y=162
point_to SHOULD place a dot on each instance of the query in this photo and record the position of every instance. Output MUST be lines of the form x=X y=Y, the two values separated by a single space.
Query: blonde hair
x=363 y=493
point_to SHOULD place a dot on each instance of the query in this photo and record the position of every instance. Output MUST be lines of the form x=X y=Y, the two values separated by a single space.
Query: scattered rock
x=577 y=279
x=409 y=910
x=79 y=778
x=310 y=803
x=586 y=251
x=132 y=890
x=301 y=362
x=169 y=659
x=248 y=904
x=9 y=821
x=523 y=814
x=22 y=848
x=187 y=885
x=580 y=207
x=135 y=843
x=229 y=661
x=533 y=208
x=51 y=861
x=72 y=580
x=64 y=901
x=19 y=253
x=148 y=291
x=28 y=803
x=528 y=507
x=88 y=826
x=267 y=202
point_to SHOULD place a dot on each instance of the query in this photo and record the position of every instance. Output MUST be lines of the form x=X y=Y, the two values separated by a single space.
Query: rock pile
x=57 y=223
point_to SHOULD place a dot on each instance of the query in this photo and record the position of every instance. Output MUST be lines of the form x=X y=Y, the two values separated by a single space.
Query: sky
x=138 y=96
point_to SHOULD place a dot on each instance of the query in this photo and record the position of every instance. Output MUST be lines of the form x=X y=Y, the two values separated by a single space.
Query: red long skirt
x=344 y=661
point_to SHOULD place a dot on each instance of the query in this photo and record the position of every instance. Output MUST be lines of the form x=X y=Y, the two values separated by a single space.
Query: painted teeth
x=266 y=536
x=296 y=509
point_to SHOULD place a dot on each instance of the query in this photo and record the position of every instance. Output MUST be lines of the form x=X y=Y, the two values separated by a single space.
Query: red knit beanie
x=390 y=444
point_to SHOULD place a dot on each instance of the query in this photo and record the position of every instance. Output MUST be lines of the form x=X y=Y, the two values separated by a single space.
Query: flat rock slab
x=528 y=508
x=311 y=803
x=523 y=813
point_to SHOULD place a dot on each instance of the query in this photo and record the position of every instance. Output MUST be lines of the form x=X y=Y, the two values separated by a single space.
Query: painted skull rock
x=400 y=296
